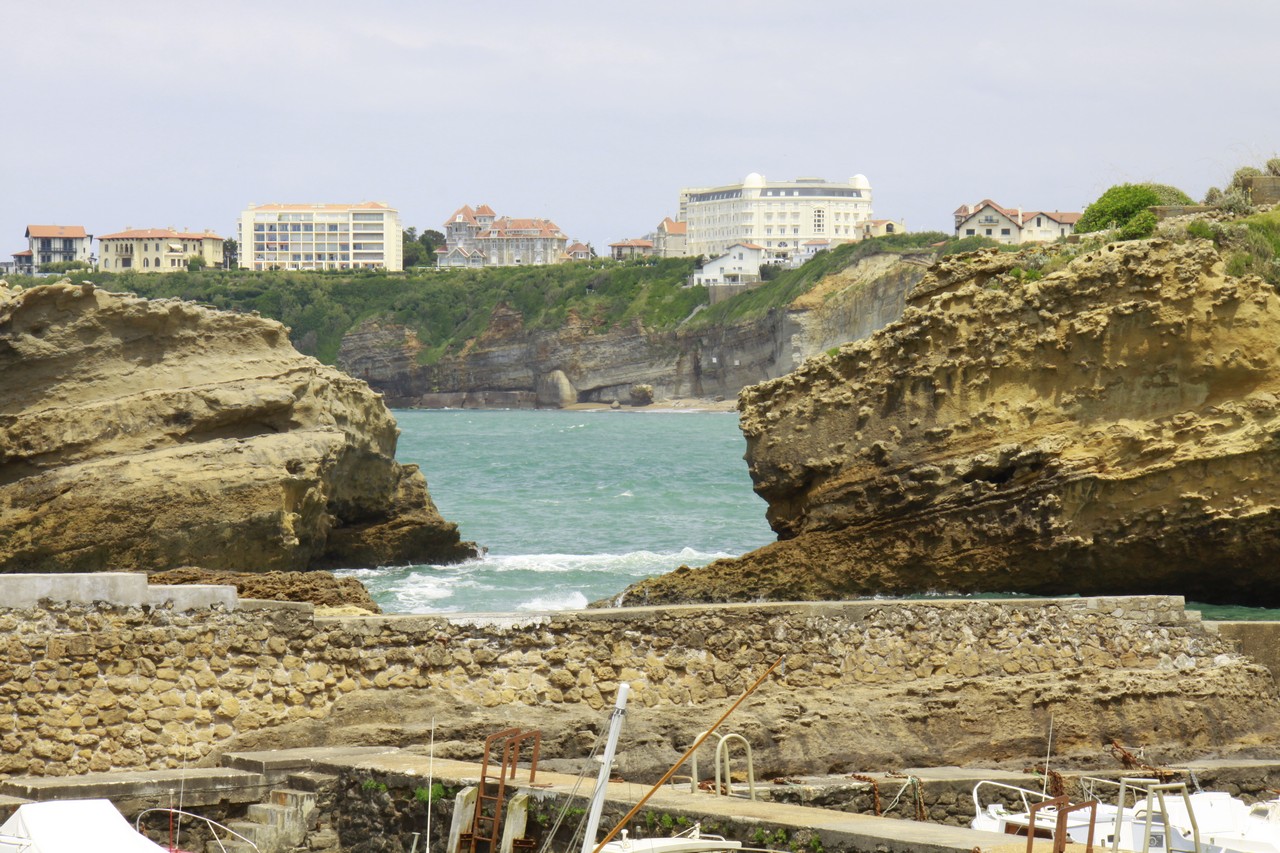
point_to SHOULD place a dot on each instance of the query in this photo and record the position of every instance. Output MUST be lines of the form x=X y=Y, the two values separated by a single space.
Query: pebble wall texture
x=86 y=688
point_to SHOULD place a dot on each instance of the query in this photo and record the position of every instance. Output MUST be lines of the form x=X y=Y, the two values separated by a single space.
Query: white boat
x=692 y=840
x=72 y=826
x=1165 y=818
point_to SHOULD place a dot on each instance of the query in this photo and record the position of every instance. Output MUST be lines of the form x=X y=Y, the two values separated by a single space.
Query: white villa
x=152 y=250
x=321 y=237
x=779 y=216
x=1013 y=225
x=739 y=265
x=51 y=244
x=479 y=238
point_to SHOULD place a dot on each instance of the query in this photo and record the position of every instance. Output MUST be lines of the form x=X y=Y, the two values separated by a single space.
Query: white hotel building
x=321 y=237
x=781 y=216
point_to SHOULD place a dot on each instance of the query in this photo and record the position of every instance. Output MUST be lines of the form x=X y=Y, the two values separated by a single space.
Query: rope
x=914 y=784
x=875 y=788
x=576 y=841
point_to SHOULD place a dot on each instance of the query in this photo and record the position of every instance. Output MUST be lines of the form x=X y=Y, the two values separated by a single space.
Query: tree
x=420 y=249
x=1115 y=207
x=230 y=254
x=195 y=263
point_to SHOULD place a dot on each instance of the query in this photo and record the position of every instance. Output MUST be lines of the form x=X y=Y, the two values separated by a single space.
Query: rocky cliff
x=155 y=434
x=511 y=366
x=1110 y=428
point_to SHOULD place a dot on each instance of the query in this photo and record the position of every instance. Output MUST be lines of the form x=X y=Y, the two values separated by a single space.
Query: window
x=819 y=221
x=968 y=232
x=988 y=232
x=1004 y=232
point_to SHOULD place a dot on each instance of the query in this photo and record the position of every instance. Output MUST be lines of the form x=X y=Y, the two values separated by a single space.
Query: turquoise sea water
x=574 y=506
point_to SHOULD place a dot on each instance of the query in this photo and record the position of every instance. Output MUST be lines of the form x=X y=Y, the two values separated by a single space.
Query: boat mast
x=606 y=769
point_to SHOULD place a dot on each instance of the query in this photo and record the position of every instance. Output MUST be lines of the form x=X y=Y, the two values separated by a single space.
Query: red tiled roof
x=485 y=210
x=815 y=243
x=577 y=247
x=467 y=214
x=633 y=244
x=1056 y=216
x=55 y=231
x=157 y=234
x=671 y=226
x=747 y=246
x=364 y=205
x=24 y=253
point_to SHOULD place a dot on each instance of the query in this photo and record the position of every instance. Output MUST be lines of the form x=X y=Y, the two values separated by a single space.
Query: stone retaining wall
x=96 y=687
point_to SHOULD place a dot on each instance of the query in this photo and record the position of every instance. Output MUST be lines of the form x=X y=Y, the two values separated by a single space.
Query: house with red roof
x=152 y=250
x=624 y=249
x=738 y=266
x=479 y=237
x=671 y=239
x=48 y=244
x=1013 y=224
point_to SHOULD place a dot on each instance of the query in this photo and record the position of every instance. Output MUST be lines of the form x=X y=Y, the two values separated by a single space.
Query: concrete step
x=312 y=780
x=270 y=814
x=259 y=833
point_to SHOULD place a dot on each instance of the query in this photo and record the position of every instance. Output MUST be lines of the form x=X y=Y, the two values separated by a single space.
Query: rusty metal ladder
x=492 y=791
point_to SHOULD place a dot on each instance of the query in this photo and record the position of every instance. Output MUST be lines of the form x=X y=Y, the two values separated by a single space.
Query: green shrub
x=1115 y=207
x=1273 y=167
x=1212 y=196
x=969 y=244
x=1139 y=227
x=1201 y=229
x=1235 y=202
x=1237 y=180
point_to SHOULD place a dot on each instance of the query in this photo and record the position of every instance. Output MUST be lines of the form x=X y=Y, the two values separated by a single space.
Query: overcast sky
x=594 y=114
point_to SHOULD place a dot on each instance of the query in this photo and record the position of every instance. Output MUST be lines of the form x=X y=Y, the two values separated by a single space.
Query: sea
x=573 y=506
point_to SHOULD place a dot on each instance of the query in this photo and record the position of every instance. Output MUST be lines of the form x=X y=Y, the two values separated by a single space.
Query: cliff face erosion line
x=1111 y=428
x=143 y=435
x=510 y=365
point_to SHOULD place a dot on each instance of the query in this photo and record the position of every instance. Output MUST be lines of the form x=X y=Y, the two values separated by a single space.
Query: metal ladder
x=491 y=793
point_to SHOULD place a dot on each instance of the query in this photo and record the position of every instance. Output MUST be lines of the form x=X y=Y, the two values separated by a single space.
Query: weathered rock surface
x=155 y=434
x=1111 y=428
x=323 y=589
x=511 y=366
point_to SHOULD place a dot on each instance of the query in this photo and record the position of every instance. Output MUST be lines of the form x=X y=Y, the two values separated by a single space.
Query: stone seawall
x=96 y=687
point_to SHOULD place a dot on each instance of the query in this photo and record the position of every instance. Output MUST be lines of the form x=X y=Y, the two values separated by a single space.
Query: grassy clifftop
x=449 y=307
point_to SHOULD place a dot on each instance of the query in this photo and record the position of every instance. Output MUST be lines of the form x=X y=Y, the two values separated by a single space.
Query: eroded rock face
x=1111 y=428
x=154 y=434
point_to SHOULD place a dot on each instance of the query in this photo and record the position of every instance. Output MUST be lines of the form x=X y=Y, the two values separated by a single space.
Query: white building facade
x=48 y=244
x=480 y=238
x=321 y=237
x=152 y=250
x=1013 y=225
x=780 y=216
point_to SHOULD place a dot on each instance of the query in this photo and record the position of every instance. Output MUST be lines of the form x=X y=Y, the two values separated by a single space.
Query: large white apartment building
x=781 y=216
x=321 y=237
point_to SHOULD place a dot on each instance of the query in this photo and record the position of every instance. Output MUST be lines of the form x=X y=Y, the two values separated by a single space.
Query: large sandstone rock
x=154 y=434
x=1111 y=428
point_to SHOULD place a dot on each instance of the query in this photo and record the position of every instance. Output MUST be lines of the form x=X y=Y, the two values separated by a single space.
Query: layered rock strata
x=149 y=435
x=511 y=366
x=1110 y=428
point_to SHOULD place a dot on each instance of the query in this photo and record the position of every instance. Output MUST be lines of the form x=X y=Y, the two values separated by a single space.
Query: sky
x=595 y=114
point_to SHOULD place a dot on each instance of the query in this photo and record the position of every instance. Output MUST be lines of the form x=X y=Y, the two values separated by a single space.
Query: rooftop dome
x=860 y=182
x=755 y=179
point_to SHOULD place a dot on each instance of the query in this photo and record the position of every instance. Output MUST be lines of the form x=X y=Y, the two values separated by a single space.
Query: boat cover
x=72 y=826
